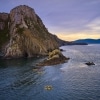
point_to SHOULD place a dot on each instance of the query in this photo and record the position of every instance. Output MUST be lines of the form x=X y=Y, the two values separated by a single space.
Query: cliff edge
x=23 y=34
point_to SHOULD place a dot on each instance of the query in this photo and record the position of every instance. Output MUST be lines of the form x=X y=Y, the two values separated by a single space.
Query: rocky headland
x=23 y=34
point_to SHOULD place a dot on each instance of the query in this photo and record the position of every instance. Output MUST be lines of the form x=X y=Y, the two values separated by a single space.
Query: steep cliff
x=4 y=29
x=28 y=35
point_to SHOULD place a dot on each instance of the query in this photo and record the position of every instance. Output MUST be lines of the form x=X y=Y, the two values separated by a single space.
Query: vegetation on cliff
x=4 y=29
x=23 y=34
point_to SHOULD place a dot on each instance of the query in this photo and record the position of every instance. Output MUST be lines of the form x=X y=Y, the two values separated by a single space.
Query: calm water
x=70 y=81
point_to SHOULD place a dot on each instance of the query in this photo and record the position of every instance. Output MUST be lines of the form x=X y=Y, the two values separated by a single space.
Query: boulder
x=89 y=63
x=55 y=57
x=54 y=54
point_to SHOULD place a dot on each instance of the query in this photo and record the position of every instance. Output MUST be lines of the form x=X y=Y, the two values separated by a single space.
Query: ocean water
x=70 y=81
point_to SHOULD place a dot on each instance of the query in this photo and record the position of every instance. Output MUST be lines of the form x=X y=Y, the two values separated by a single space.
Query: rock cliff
x=23 y=34
x=4 y=28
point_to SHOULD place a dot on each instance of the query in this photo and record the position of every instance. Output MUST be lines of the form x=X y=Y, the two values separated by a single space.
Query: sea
x=73 y=80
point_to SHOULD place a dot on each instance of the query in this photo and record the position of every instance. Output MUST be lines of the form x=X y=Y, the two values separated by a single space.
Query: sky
x=68 y=19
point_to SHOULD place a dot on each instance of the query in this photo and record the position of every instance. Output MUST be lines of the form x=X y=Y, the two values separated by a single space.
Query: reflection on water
x=70 y=81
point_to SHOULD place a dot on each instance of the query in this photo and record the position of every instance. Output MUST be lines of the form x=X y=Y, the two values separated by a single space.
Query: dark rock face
x=4 y=29
x=27 y=34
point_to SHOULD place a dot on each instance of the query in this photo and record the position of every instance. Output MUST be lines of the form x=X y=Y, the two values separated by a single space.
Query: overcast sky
x=69 y=19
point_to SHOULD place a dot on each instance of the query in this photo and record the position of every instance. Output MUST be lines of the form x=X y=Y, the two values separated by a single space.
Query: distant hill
x=89 y=41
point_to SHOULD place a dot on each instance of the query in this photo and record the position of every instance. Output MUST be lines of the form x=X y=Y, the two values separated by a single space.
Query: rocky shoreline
x=55 y=57
x=54 y=61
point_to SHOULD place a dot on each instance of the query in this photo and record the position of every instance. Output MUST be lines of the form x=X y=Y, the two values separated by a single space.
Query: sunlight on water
x=69 y=81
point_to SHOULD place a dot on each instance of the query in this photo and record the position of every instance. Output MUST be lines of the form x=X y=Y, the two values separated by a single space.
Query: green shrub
x=4 y=36
x=20 y=30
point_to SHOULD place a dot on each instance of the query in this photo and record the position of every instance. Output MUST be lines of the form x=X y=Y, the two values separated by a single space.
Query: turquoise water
x=70 y=81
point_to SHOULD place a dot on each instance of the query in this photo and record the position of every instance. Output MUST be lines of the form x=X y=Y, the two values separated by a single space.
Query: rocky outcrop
x=54 y=57
x=3 y=19
x=90 y=63
x=54 y=54
x=27 y=35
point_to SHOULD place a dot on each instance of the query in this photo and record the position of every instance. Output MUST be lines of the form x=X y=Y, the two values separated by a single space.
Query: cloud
x=75 y=36
x=78 y=18
x=95 y=25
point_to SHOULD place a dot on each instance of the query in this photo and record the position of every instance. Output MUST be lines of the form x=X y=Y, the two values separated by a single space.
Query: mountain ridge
x=88 y=40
